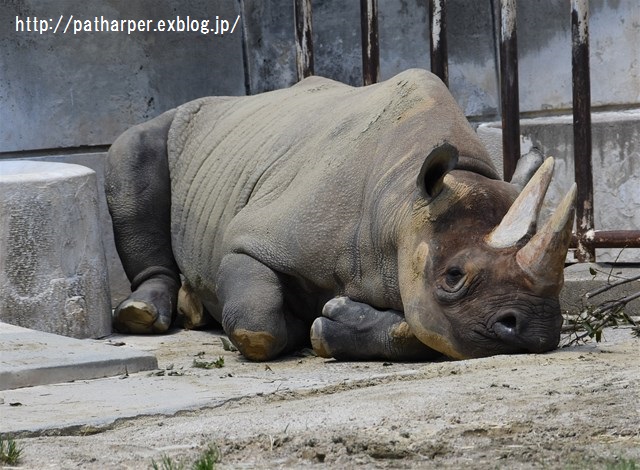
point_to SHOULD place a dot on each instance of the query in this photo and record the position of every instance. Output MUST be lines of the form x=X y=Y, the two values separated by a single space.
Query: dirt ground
x=577 y=407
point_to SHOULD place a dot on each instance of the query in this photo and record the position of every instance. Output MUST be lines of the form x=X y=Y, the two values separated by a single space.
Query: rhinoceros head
x=476 y=276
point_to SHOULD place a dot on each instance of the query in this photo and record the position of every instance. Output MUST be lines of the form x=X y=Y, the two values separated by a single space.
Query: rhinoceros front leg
x=351 y=330
x=254 y=314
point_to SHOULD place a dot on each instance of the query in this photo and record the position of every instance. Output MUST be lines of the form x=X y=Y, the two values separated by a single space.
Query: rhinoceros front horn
x=521 y=218
x=544 y=255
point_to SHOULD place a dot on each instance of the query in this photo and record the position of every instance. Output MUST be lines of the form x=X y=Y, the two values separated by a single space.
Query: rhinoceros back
x=219 y=148
x=268 y=163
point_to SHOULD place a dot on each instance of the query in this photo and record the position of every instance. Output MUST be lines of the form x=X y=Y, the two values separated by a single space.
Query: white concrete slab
x=30 y=358
x=83 y=407
x=178 y=386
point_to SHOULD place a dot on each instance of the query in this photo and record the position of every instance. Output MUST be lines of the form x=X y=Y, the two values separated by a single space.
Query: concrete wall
x=60 y=90
x=65 y=90
x=66 y=97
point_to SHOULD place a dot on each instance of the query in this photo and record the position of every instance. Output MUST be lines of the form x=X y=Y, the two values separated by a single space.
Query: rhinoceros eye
x=453 y=286
x=453 y=278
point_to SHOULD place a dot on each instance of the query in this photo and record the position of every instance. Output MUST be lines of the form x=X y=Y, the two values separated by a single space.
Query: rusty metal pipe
x=438 y=39
x=608 y=239
x=304 y=38
x=370 y=44
x=582 y=126
x=509 y=88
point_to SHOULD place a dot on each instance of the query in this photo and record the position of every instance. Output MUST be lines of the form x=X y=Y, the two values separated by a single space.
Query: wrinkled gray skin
x=361 y=211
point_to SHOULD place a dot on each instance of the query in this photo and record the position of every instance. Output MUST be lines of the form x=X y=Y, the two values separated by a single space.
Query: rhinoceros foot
x=350 y=330
x=149 y=309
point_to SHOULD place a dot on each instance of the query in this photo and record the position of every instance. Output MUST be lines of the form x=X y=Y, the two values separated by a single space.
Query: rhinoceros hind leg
x=254 y=315
x=138 y=193
x=351 y=330
x=191 y=312
x=150 y=308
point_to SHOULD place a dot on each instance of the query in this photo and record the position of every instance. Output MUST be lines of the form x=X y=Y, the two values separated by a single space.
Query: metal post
x=304 y=38
x=582 y=127
x=370 y=47
x=245 y=51
x=509 y=88
x=438 y=39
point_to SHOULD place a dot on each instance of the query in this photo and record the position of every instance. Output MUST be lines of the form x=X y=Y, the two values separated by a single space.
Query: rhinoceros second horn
x=543 y=256
x=520 y=220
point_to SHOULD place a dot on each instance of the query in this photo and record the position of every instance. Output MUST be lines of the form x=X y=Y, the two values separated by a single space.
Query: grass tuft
x=206 y=461
x=9 y=452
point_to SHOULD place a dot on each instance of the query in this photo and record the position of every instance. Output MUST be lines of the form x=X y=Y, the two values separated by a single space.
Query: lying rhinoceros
x=368 y=221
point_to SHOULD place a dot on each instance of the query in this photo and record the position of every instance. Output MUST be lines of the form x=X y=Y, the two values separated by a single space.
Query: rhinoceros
x=367 y=221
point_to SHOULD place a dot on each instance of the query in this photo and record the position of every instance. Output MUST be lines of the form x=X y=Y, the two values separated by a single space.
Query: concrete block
x=53 y=274
x=29 y=358
x=119 y=286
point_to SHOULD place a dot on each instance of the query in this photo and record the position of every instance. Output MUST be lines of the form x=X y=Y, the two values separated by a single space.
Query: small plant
x=624 y=464
x=217 y=364
x=9 y=451
x=207 y=461
x=591 y=321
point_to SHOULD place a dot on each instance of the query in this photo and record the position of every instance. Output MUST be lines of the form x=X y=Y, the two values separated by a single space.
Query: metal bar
x=608 y=239
x=509 y=88
x=245 y=51
x=438 y=39
x=582 y=127
x=304 y=38
x=370 y=45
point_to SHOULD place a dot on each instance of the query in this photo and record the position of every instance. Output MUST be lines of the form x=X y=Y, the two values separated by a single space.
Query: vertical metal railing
x=370 y=43
x=510 y=99
x=586 y=239
x=581 y=84
x=304 y=37
x=438 y=39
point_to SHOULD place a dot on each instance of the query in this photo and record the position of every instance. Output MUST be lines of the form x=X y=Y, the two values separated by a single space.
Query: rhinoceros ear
x=438 y=163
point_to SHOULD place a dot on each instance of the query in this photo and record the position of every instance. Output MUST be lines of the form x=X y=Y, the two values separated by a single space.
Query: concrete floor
x=52 y=382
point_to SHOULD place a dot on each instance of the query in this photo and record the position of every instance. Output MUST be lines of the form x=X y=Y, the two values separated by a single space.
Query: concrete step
x=29 y=358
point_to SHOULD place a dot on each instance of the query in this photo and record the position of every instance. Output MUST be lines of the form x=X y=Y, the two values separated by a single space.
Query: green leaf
x=589 y=328
x=217 y=364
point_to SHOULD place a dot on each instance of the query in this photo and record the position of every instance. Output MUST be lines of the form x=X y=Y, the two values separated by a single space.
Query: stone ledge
x=29 y=358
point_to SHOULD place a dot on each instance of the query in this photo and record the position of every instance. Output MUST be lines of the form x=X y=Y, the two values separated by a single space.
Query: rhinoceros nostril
x=508 y=321
x=507 y=325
